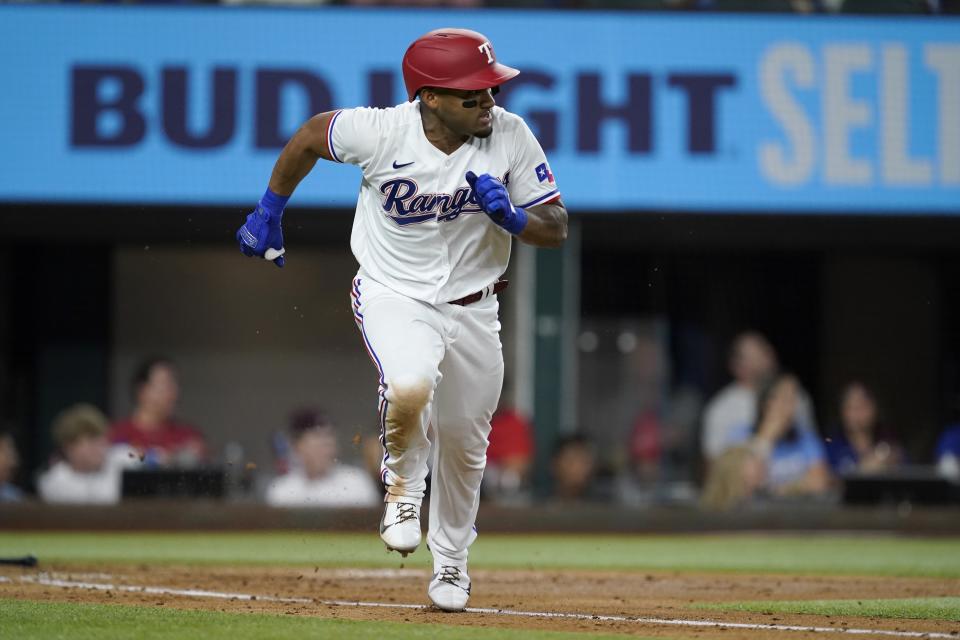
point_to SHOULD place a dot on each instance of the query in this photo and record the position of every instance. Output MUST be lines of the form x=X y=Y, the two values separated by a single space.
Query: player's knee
x=469 y=458
x=409 y=394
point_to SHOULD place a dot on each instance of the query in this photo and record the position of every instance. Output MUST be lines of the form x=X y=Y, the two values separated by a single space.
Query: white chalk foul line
x=658 y=621
x=200 y=593
x=160 y=591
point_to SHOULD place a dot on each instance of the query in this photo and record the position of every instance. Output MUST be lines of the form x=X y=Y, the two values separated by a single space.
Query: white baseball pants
x=441 y=372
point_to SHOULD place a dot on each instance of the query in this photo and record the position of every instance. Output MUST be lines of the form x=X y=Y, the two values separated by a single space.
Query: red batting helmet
x=453 y=59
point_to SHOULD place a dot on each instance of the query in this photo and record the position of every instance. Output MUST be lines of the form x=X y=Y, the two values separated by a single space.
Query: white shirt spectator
x=344 y=486
x=61 y=484
x=948 y=466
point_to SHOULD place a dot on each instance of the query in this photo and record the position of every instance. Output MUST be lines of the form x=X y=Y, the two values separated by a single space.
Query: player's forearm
x=298 y=157
x=546 y=225
x=293 y=165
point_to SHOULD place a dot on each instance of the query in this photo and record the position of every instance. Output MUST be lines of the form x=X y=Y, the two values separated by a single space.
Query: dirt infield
x=655 y=595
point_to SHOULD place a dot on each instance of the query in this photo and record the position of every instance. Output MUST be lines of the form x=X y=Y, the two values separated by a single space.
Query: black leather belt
x=486 y=292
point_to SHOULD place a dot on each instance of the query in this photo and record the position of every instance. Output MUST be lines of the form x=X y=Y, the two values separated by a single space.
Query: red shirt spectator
x=511 y=438
x=151 y=427
x=509 y=455
x=163 y=445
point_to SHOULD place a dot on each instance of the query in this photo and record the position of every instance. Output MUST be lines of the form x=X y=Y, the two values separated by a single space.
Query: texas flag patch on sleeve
x=543 y=173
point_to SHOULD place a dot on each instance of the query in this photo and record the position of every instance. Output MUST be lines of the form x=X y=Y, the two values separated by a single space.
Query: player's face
x=467 y=113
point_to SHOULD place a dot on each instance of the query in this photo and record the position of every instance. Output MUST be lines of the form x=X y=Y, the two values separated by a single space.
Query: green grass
x=917 y=608
x=756 y=553
x=26 y=620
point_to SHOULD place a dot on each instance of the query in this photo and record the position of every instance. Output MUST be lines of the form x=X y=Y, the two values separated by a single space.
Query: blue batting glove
x=261 y=235
x=493 y=198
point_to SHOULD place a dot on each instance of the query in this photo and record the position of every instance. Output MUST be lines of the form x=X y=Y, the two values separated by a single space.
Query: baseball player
x=449 y=179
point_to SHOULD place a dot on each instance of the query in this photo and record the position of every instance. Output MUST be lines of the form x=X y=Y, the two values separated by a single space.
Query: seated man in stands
x=152 y=428
x=90 y=471
x=860 y=443
x=9 y=492
x=753 y=362
x=316 y=478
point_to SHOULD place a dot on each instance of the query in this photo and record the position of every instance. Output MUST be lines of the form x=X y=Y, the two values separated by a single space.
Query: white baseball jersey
x=417 y=228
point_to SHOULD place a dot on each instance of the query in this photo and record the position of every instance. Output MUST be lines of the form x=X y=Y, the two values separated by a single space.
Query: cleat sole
x=403 y=553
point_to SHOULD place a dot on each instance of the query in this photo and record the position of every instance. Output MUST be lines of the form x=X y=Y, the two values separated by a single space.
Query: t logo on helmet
x=487 y=48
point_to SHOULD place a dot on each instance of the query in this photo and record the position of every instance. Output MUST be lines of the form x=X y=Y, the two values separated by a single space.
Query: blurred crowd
x=752 y=6
x=757 y=441
x=96 y=461
x=757 y=438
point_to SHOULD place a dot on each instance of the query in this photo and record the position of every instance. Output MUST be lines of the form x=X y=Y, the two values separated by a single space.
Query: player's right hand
x=493 y=198
x=261 y=235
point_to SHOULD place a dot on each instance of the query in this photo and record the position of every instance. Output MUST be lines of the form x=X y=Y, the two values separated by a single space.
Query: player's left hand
x=262 y=236
x=493 y=198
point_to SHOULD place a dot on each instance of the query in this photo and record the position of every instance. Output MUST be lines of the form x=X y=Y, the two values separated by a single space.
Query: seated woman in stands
x=861 y=443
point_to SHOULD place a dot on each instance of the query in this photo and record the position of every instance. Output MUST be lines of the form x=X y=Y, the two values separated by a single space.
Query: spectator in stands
x=645 y=446
x=734 y=477
x=90 y=471
x=752 y=363
x=152 y=428
x=662 y=444
x=793 y=455
x=9 y=461
x=861 y=443
x=316 y=478
x=509 y=454
x=948 y=452
x=574 y=467
x=776 y=455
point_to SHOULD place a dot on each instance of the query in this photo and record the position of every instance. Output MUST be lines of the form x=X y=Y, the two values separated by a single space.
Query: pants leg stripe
x=358 y=318
x=384 y=403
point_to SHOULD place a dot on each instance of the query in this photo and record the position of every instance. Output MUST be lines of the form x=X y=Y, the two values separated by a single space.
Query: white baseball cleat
x=450 y=588
x=400 y=527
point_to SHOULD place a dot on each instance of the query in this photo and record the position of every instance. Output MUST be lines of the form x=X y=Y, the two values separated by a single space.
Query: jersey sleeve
x=531 y=180
x=354 y=135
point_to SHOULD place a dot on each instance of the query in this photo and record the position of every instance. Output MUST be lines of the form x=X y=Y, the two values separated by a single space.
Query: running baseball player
x=449 y=179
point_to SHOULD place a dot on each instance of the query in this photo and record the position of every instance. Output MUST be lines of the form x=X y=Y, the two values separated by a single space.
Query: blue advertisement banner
x=636 y=111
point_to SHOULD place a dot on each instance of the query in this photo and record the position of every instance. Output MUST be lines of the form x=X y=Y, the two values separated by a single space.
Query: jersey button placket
x=445 y=251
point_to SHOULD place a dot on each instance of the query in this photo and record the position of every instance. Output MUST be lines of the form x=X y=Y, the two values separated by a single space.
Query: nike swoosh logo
x=401 y=166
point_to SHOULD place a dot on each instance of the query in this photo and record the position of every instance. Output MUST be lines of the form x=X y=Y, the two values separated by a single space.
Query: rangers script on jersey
x=418 y=228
